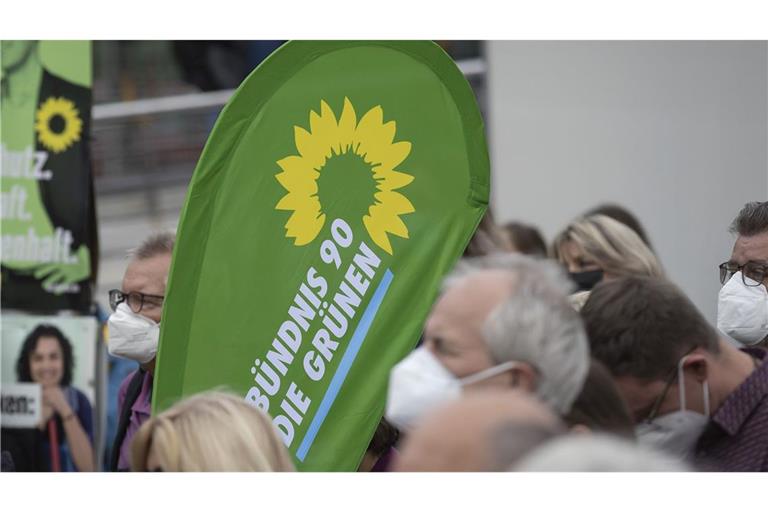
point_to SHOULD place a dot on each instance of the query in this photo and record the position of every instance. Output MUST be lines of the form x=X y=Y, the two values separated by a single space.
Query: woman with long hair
x=598 y=247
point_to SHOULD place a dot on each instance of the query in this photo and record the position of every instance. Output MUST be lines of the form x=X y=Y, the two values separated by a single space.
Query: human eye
x=152 y=302
x=441 y=346
x=755 y=270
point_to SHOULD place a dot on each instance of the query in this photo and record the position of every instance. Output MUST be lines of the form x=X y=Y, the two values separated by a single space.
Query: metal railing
x=196 y=101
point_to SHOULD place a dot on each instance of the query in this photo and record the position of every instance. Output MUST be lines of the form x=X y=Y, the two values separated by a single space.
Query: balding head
x=453 y=331
x=484 y=431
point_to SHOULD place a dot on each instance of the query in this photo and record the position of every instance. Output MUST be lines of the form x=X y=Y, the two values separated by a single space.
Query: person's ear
x=696 y=364
x=524 y=377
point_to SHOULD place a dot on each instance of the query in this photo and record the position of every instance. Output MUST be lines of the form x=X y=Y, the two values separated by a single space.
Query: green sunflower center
x=340 y=175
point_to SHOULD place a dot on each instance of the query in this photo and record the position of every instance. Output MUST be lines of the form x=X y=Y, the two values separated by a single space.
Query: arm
x=79 y=443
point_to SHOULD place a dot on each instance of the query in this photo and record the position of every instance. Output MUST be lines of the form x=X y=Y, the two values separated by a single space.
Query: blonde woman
x=212 y=431
x=598 y=247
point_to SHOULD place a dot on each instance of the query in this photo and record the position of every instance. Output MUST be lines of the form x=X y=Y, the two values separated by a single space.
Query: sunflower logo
x=58 y=124
x=339 y=155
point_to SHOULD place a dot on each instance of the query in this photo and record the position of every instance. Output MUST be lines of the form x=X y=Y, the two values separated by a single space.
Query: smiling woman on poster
x=63 y=441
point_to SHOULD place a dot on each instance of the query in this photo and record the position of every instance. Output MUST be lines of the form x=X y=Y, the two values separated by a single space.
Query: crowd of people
x=580 y=356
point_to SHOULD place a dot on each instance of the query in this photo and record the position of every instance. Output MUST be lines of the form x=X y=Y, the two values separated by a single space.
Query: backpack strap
x=131 y=394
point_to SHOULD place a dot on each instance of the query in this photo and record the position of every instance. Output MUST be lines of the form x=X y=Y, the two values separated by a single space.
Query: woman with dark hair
x=63 y=441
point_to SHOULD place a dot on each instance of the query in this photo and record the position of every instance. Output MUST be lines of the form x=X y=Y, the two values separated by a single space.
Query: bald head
x=453 y=331
x=484 y=431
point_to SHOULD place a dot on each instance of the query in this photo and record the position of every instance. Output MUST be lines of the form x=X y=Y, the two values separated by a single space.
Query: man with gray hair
x=503 y=321
x=134 y=332
x=742 y=306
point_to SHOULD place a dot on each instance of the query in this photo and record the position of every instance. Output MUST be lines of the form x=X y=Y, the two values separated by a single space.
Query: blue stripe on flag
x=346 y=363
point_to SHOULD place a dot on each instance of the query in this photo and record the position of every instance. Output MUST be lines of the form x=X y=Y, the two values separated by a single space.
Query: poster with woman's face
x=53 y=349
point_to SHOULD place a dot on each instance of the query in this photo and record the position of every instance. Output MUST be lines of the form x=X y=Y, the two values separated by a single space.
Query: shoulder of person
x=124 y=388
x=82 y=399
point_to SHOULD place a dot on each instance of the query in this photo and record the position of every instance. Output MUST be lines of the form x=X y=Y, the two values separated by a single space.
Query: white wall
x=675 y=131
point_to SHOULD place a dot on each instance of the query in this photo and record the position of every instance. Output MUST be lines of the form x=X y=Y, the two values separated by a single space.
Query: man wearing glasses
x=691 y=393
x=742 y=306
x=134 y=332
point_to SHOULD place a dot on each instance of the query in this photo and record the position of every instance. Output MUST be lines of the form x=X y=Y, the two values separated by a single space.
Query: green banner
x=49 y=237
x=339 y=185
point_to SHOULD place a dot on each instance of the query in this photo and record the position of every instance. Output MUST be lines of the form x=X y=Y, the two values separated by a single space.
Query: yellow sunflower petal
x=394 y=154
x=377 y=232
x=324 y=129
x=394 y=202
x=305 y=223
x=297 y=176
x=391 y=180
x=309 y=147
x=373 y=137
x=388 y=220
x=347 y=122
x=292 y=201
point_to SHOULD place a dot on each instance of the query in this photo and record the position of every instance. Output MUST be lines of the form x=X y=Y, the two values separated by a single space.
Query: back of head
x=599 y=406
x=526 y=239
x=641 y=326
x=537 y=325
x=597 y=453
x=621 y=214
x=614 y=247
x=211 y=431
x=483 y=431
x=487 y=239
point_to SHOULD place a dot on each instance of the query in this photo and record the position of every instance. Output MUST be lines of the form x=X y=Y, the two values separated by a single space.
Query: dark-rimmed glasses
x=135 y=300
x=671 y=378
x=756 y=271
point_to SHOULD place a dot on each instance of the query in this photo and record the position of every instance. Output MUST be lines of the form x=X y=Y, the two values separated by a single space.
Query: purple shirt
x=736 y=438
x=386 y=462
x=140 y=412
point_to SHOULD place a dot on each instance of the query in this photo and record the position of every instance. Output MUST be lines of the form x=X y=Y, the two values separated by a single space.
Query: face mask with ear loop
x=676 y=433
x=420 y=383
x=742 y=311
x=132 y=336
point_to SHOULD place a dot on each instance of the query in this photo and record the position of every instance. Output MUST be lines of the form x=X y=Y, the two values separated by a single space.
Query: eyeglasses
x=754 y=270
x=135 y=300
x=672 y=377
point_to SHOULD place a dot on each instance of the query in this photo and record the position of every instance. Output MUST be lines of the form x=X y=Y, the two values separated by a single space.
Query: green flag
x=339 y=185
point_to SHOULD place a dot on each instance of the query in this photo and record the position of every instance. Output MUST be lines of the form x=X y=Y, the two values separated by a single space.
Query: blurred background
x=675 y=131
x=154 y=105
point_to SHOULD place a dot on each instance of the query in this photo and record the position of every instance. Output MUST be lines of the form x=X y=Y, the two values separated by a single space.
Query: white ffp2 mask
x=132 y=336
x=742 y=311
x=676 y=433
x=420 y=383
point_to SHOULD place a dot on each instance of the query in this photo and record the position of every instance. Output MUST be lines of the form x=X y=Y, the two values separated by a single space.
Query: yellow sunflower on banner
x=329 y=138
x=58 y=124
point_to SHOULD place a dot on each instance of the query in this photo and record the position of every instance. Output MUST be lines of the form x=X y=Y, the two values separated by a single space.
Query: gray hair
x=751 y=220
x=597 y=453
x=536 y=325
x=154 y=245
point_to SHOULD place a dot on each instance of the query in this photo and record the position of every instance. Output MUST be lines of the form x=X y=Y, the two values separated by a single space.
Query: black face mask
x=587 y=280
